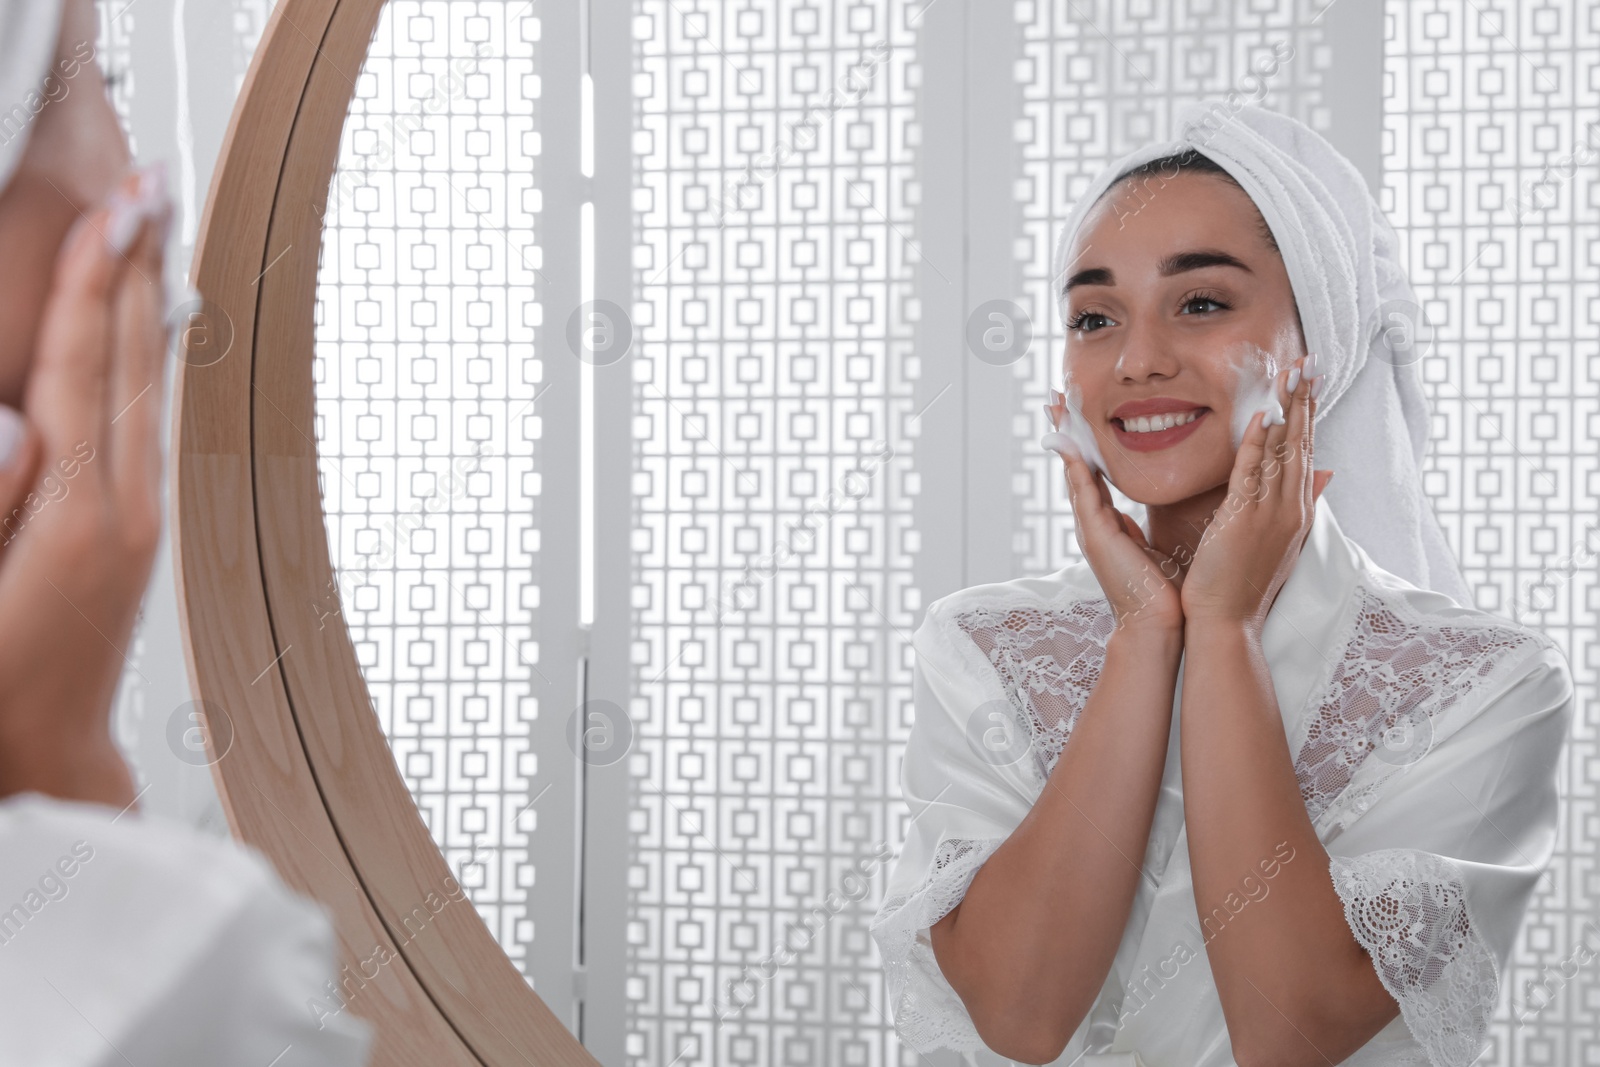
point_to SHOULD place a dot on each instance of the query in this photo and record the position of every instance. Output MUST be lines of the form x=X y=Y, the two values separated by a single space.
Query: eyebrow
x=1177 y=263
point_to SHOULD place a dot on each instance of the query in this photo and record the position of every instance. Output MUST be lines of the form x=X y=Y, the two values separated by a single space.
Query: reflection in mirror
x=770 y=393
x=428 y=434
x=774 y=597
x=770 y=550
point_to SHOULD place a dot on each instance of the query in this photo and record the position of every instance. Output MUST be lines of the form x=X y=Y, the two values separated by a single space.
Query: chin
x=1141 y=491
x=1154 y=486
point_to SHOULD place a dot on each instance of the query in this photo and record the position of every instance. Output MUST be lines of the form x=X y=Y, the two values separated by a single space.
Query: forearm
x=1295 y=985
x=1030 y=945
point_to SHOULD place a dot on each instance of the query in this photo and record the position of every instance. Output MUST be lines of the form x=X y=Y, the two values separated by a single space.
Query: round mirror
x=574 y=462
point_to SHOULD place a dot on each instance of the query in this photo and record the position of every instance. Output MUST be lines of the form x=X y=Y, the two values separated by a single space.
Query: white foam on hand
x=1070 y=431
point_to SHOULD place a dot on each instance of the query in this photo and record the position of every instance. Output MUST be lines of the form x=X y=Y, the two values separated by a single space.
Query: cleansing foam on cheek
x=1255 y=389
x=1074 y=434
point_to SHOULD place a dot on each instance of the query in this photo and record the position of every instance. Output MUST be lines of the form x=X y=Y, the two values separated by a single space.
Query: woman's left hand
x=1254 y=539
x=80 y=504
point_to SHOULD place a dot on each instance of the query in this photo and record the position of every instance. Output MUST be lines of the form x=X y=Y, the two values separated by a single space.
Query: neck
x=1175 y=529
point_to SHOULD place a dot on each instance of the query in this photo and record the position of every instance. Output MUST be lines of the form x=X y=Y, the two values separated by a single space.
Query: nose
x=1146 y=353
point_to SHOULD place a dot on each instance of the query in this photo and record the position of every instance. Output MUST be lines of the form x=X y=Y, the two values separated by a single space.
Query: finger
x=68 y=388
x=1063 y=446
x=1305 y=454
x=1131 y=528
x=1165 y=565
x=1084 y=502
x=1079 y=501
x=138 y=362
x=19 y=456
x=1103 y=486
x=1244 y=482
x=1294 y=478
x=1314 y=486
x=1090 y=510
x=1071 y=480
x=1274 y=453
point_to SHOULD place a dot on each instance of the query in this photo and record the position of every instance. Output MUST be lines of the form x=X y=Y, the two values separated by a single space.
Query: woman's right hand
x=1133 y=575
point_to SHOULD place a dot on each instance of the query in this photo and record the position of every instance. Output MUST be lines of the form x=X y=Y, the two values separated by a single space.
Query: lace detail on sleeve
x=1398 y=674
x=1408 y=909
x=1048 y=660
x=927 y=1012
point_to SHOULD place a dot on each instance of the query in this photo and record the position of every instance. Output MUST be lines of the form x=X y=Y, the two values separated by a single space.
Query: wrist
x=1152 y=642
x=93 y=772
x=1205 y=629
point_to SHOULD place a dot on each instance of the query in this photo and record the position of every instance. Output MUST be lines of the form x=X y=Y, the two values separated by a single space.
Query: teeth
x=1153 y=423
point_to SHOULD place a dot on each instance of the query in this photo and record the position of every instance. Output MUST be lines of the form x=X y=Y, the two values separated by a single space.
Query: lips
x=1156 y=430
x=1156 y=423
x=1146 y=425
x=1155 y=405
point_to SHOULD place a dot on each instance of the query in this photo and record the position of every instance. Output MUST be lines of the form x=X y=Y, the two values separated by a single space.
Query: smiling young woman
x=1178 y=309
x=1236 y=704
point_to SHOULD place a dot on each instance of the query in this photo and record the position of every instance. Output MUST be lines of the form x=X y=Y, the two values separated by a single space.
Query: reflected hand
x=1136 y=578
x=1251 y=545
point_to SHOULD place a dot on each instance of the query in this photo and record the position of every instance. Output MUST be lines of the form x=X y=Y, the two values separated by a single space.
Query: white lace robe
x=1426 y=739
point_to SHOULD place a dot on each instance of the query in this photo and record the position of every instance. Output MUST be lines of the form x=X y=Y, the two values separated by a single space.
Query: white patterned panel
x=428 y=439
x=249 y=21
x=773 y=598
x=1098 y=79
x=113 y=37
x=1491 y=140
x=114 y=50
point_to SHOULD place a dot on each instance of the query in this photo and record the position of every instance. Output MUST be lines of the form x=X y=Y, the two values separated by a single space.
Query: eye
x=1077 y=321
x=1203 y=298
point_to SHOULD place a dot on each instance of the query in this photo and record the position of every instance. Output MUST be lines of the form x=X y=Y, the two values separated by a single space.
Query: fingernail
x=127 y=218
x=148 y=202
x=12 y=430
x=1050 y=413
x=152 y=191
x=1311 y=365
x=155 y=196
x=1316 y=386
x=1294 y=379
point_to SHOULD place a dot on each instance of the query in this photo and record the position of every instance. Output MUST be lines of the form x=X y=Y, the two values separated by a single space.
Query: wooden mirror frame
x=308 y=777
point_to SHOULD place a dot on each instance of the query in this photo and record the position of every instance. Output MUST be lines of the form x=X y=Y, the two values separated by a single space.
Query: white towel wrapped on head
x=1357 y=310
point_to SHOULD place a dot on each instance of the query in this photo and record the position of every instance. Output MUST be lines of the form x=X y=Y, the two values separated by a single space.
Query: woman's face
x=74 y=155
x=1176 y=305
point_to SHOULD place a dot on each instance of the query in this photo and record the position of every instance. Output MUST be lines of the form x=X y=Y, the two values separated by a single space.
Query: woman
x=1251 y=785
x=123 y=939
